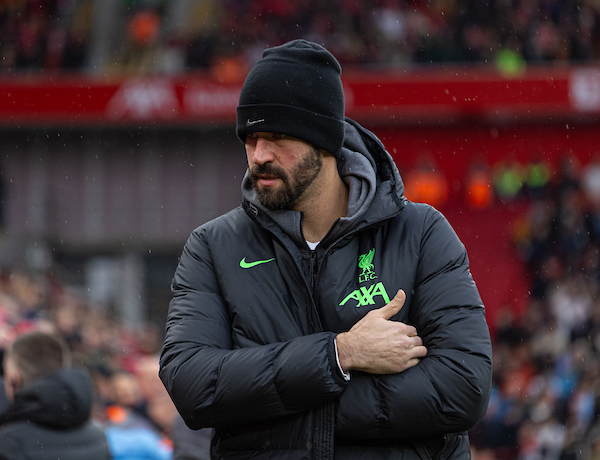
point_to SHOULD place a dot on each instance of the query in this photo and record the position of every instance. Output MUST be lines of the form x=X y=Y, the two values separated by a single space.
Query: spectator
x=479 y=192
x=142 y=47
x=130 y=438
x=50 y=404
x=131 y=434
x=426 y=184
x=508 y=179
x=537 y=177
x=509 y=58
x=159 y=409
x=590 y=181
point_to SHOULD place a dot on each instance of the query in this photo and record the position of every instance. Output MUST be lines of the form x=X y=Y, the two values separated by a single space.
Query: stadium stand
x=160 y=36
x=545 y=399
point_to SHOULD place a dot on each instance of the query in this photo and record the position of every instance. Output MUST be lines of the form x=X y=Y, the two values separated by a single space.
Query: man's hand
x=379 y=346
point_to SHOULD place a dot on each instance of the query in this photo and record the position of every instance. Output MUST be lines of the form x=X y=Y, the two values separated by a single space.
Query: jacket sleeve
x=448 y=390
x=214 y=385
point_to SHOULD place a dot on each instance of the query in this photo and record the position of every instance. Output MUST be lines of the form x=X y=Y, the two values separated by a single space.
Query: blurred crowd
x=45 y=34
x=545 y=402
x=484 y=185
x=131 y=403
x=227 y=36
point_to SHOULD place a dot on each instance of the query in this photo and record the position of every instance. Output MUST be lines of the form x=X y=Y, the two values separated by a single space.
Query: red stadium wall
x=455 y=147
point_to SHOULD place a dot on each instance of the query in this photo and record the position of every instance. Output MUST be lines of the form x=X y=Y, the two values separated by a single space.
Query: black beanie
x=295 y=89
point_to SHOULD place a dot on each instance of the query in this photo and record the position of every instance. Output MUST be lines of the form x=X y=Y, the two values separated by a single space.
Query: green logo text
x=364 y=295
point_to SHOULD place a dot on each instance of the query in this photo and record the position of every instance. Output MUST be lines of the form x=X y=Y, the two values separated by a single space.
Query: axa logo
x=365 y=295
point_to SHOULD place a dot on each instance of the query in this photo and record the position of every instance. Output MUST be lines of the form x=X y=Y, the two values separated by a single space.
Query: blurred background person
x=48 y=415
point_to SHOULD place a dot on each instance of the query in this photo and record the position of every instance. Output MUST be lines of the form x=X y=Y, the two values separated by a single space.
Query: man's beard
x=293 y=184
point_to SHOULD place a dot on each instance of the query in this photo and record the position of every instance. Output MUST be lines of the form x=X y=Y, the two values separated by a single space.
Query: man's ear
x=16 y=382
x=12 y=378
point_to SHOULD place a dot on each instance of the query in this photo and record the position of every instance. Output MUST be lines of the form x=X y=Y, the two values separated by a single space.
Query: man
x=48 y=415
x=293 y=326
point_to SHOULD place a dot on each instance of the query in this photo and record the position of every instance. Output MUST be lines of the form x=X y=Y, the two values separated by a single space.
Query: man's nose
x=262 y=152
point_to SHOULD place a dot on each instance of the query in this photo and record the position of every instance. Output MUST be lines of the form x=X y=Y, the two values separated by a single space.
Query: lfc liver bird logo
x=365 y=262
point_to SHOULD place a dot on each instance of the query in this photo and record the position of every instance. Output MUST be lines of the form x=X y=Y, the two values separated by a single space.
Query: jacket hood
x=61 y=400
x=376 y=190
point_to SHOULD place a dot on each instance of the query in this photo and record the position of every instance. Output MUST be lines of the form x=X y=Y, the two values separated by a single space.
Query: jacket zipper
x=323 y=428
x=422 y=448
x=313 y=315
x=332 y=245
x=323 y=440
x=325 y=415
x=323 y=436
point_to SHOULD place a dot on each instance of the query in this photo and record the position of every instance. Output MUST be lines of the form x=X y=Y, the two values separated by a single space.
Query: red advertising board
x=377 y=98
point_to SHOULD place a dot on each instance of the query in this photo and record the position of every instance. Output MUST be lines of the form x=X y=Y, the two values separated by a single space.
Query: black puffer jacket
x=249 y=345
x=50 y=419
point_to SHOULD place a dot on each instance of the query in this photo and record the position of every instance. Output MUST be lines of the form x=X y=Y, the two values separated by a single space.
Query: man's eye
x=251 y=136
x=279 y=136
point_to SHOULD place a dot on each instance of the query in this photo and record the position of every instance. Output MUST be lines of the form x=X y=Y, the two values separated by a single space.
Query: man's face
x=281 y=168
